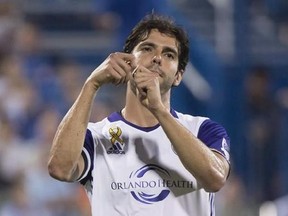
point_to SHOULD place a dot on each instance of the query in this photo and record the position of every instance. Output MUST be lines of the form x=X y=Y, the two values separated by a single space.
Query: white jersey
x=132 y=170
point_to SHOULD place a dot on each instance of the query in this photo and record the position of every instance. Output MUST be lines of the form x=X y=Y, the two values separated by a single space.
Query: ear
x=178 y=78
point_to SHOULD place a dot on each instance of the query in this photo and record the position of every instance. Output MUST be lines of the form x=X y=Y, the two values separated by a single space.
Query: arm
x=208 y=167
x=65 y=161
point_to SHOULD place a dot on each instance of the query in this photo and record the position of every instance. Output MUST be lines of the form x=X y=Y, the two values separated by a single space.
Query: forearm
x=65 y=161
x=197 y=158
x=68 y=141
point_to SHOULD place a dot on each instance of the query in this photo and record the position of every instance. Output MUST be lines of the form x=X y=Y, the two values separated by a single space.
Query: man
x=147 y=159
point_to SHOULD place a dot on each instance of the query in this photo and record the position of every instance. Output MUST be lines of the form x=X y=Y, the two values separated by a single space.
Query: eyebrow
x=166 y=48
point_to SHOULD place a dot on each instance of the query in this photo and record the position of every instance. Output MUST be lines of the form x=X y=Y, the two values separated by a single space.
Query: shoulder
x=95 y=126
x=190 y=121
x=212 y=127
x=101 y=128
x=200 y=124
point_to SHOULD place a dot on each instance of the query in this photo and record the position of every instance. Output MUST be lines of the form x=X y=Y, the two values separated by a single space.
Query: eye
x=170 y=56
x=146 y=48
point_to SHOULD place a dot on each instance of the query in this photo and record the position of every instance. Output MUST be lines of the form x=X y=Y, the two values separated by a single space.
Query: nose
x=157 y=59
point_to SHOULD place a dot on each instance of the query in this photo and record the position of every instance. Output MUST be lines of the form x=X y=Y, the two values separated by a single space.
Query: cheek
x=138 y=58
x=174 y=67
x=143 y=59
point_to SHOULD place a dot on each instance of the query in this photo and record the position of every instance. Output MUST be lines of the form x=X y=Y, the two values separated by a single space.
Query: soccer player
x=146 y=159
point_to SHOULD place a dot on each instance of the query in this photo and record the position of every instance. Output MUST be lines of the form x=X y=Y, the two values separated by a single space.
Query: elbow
x=213 y=187
x=214 y=183
x=216 y=177
x=56 y=172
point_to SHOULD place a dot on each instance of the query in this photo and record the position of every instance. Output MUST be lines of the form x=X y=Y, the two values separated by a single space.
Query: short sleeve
x=215 y=137
x=88 y=156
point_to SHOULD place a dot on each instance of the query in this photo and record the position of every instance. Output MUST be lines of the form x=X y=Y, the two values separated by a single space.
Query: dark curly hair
x=165 y=25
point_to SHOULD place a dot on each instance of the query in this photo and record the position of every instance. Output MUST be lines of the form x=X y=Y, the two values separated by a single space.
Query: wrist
x=161 y=111
x=90 y=87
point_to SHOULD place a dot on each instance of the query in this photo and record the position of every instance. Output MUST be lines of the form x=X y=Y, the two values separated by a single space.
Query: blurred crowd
x=35 y=93
x=36 y=90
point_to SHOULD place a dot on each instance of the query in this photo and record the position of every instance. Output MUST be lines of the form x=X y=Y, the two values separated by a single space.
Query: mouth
x=156 y=70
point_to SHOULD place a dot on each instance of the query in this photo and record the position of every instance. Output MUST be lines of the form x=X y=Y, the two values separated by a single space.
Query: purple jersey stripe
x=212 y=204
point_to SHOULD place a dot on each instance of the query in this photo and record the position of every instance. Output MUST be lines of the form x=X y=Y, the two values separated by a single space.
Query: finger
x=126 y=63
x=135 y=66
x=128 y=73
x=119 y=66
x=120 y=71
x=143 y=75
x=115 y=77
x=145 y=84
x=142 y=91
x=128 y=58
x=134 y=72
x=115 y=74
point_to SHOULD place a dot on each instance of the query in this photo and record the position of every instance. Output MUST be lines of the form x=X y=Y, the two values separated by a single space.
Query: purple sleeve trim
x=215 y=137
x=89 y=146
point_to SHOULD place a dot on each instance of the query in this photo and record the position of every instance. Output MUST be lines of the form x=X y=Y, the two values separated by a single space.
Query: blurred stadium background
x=238 y=75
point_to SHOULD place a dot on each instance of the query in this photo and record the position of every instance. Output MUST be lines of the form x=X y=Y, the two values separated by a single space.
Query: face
x=159 y=53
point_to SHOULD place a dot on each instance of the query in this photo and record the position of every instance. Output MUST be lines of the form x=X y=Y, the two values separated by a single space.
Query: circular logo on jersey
x=149 y=180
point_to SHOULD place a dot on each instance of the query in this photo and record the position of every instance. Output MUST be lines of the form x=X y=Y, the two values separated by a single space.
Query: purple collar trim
x=117 y=116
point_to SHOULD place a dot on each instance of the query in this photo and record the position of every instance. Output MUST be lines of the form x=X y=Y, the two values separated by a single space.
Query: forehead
x=160 y=39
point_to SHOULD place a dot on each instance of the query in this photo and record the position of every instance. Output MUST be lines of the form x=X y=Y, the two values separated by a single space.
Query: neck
x=137 y=114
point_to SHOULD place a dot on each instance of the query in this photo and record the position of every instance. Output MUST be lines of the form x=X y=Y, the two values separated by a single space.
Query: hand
x=116 y=69
x=148 y=86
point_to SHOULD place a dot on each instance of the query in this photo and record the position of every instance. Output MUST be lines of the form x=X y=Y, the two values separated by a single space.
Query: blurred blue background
x=237 y=75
